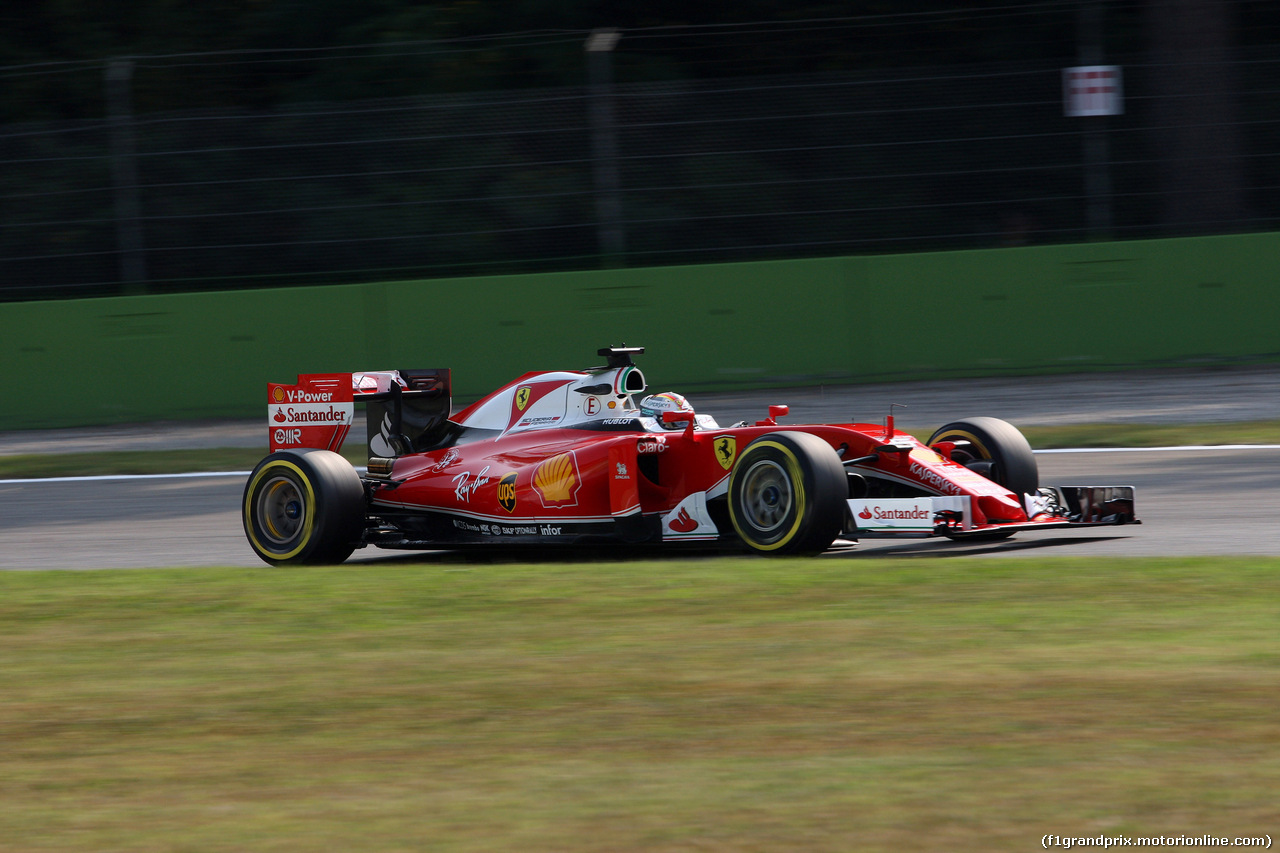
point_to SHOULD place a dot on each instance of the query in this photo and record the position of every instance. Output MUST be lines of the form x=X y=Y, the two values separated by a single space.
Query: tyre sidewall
x=1000 y=442
x=817 y=491
x=332 y=507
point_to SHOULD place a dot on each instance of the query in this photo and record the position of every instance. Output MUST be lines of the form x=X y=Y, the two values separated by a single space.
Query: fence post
x=1097 y=148
x=604 y=146
x=124 y=176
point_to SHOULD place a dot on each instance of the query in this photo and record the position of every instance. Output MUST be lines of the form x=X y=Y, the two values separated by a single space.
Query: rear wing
x=405 y=410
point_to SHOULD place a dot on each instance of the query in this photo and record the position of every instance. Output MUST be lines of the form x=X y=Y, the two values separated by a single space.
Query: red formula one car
x=581 y=456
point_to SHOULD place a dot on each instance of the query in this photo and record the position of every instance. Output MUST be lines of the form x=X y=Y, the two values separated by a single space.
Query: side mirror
x=775 y=412
x=676 y=417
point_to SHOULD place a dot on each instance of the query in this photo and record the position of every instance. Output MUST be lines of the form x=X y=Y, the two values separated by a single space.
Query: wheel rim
x=767 y=496
x=281 y=510
x=976 y=457
x=995 y=450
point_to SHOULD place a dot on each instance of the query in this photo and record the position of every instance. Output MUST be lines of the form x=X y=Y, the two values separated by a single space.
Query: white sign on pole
x=1092 y=90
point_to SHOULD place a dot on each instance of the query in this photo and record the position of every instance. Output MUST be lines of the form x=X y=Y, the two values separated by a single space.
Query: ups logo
x=507 y=492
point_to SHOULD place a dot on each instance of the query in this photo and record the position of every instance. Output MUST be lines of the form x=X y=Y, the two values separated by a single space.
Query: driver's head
x=668 y=401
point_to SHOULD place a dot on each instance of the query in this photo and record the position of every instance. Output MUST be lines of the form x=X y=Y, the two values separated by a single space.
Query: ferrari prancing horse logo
x=726 y=451
x=522 y=397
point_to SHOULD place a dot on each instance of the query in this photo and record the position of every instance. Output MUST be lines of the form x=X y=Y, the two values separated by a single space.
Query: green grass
x=1152 y=435
x=243 y=459
x=717 y=704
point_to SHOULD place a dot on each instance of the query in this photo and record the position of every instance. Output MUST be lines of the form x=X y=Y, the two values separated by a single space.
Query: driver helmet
x=668 y=401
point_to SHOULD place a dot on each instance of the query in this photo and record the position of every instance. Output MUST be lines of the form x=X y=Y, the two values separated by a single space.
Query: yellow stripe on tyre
x=309 y=509
x=797 y=479
x=969 y=437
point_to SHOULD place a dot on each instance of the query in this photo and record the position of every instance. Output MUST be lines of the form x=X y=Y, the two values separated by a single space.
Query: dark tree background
x=275 y=51
x=303 y=140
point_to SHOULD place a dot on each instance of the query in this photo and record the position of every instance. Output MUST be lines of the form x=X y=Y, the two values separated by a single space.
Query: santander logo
x=915 y=513
x=333 y=414
x=683 y=522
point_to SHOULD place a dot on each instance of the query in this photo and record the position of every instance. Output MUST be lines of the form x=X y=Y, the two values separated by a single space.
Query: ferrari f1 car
x=577 y=456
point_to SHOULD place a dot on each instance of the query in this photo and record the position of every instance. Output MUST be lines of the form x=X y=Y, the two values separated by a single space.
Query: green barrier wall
x=856 y=319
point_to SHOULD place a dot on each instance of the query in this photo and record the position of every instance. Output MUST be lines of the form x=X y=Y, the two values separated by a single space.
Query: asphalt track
x=1192 y=502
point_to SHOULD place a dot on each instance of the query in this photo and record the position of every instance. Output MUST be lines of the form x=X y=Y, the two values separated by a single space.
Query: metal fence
x=638 y=174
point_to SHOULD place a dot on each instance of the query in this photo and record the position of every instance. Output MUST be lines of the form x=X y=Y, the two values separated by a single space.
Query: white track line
x=1177 y=449
x=1180 y=448
x=103 y=477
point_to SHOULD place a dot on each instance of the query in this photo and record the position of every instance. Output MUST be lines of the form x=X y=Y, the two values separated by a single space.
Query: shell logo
x=278 y=394
x=557 y=480
x=924 y=454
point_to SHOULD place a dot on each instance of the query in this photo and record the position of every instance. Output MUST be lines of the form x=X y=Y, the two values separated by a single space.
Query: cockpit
x=606 y=397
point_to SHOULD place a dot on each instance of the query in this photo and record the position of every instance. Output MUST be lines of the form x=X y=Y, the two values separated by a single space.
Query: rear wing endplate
x=404 y=409
x=316 y=412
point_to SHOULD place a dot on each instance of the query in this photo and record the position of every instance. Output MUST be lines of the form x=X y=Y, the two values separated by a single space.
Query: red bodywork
x=566 y=456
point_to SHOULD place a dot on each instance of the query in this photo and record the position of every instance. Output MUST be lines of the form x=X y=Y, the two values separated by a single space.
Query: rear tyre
x=303 y=507
x=787 y=494
x=997 y=451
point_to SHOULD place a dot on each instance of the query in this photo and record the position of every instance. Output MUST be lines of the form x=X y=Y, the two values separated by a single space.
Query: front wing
x=1051 y=507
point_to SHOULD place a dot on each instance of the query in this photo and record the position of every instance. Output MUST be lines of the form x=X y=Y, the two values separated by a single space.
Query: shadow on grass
x=947 y=548
x=841 y=549
x=544 y=554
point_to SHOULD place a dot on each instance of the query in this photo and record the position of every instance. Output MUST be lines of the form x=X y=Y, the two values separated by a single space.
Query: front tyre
x=787 y=494
x=303 y=507
x=996 y=450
